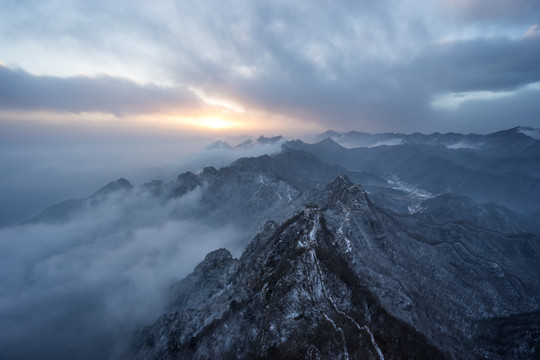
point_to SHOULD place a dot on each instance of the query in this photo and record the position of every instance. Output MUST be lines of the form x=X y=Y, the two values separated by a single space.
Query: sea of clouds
x=79 y=287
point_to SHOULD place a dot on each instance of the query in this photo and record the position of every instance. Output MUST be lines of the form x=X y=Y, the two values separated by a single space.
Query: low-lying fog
x=78 y=289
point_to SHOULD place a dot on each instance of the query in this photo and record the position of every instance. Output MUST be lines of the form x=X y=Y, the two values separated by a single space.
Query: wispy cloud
x=506 y=11
x=79 y=289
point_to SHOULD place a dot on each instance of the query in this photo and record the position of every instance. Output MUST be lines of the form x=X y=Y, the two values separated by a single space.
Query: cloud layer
x=20 y=90
x=48 y=163
x=375 y=66
x=79 y=289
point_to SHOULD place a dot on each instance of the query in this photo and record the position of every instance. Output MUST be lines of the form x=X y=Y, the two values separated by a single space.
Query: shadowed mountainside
x=363 y=283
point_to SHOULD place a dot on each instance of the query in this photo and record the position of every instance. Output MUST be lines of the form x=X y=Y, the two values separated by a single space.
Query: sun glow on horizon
x=215 y=123
x=253 y=124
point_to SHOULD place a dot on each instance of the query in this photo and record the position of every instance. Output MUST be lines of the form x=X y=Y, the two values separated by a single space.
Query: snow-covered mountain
x=504 y=170
x=409 y=249
x=247 y=192
x=344 y=279
x=512 y=141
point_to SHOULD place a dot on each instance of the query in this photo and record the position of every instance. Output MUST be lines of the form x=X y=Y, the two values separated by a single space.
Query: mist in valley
x=78 y=287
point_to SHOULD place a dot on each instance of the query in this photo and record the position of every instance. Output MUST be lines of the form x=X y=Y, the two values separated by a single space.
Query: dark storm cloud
x=480 y=64
x=508 y=11
x=21 y=90
x=521 y=108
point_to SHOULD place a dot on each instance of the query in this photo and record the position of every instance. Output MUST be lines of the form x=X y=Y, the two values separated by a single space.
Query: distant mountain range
x=359 y=246
x=513 y=141
x=246 y=144
x=501 y=167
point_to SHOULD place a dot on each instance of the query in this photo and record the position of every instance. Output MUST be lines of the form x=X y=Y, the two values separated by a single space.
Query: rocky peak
x=341 y=185
x=246 y=144
x=216 y=260
x=187 y=177
x=209 y=171
x=114 y=186
x=261 y=140
x=330 y=134
x=268 y=229
x=252 y=163
x=328 y=143
x=184 y=183
x=218 y=145
x=341 y=195
x=208 y=174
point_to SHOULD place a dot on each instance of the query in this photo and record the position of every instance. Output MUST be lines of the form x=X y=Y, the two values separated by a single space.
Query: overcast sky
x=273 y=66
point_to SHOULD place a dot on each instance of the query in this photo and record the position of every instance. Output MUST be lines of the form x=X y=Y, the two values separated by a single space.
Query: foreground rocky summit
x=343 y=279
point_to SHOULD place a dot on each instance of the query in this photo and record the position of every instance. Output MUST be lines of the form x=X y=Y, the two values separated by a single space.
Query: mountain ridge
x=67 y=209
x=268 y=267
x=389 y=255
x=511 y=181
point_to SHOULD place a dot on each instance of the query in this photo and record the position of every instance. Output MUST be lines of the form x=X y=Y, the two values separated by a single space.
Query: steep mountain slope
x=291 y=295
x=69 y=208
x=345 y=279
x=451 y=208
x=510 y=337
x=246 y=144
x=252 y=190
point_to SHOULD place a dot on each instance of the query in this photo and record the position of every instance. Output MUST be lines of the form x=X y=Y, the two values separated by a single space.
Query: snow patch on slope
x=416 y=194
x=389 y=142
x=463 y=145
x=530 y=132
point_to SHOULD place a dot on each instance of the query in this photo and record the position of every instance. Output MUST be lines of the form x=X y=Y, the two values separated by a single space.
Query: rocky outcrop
x=291 y=296
x=344 y=279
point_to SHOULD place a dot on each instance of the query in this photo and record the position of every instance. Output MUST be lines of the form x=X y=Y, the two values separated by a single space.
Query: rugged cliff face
x=343 y=279
x=290 y=296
